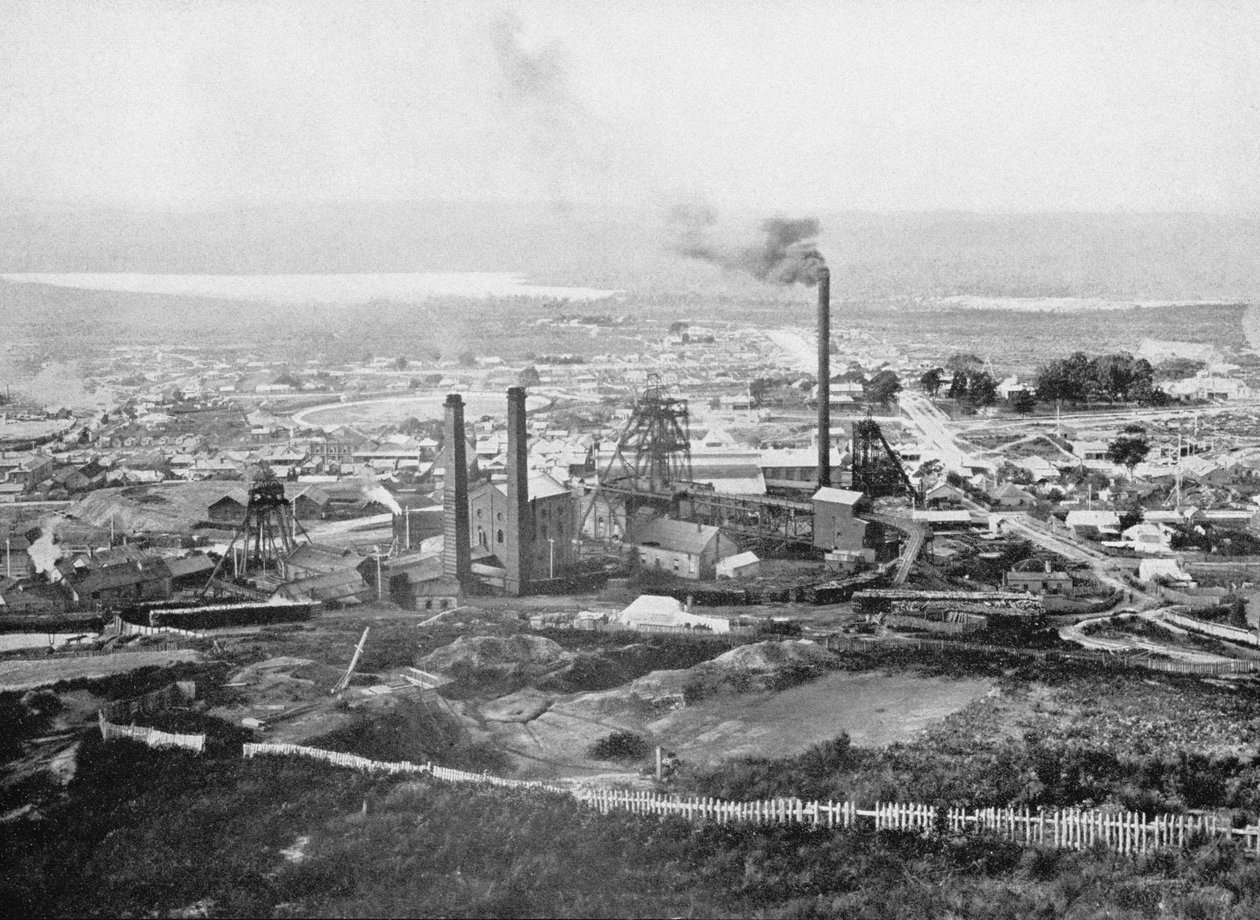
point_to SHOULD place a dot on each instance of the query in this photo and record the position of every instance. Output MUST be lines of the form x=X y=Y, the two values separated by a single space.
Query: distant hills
x=1158 y=256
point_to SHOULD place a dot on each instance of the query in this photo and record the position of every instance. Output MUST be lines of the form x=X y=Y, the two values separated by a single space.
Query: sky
x=785 y=106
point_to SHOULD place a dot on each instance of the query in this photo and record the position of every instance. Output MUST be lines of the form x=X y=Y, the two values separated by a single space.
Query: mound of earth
x=495 y=651
x=496 y=664
x=773 y=656
x=767 y=665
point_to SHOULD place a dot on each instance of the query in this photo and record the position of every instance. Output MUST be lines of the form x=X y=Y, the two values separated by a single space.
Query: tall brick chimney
x=824 y=377
x=520 y=530
x=456 y=538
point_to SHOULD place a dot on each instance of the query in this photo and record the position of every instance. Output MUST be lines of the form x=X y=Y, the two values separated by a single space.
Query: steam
x=787 y=253
x=378 y=493
x=374 y=491
x=45 y=552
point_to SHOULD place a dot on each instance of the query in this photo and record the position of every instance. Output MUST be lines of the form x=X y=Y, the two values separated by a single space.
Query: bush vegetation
x=151 y=833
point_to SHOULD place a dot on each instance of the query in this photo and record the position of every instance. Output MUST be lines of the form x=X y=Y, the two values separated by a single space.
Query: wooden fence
x=1167 y=665
x=172 y=695
x=1220 y=630
x=355 y=762
x=123 y=628
x=150 y=736
x=1074 y=828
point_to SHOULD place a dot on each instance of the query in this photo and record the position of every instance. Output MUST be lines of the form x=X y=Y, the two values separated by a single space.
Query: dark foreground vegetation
x=148 y=833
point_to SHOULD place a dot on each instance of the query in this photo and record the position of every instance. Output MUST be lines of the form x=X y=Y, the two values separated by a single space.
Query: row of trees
x=1115 y=378
x=1078 y=378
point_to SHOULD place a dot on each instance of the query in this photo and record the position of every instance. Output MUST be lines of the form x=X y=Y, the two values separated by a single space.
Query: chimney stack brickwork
x=519 y=522
x=456 y=536
x=824 y=377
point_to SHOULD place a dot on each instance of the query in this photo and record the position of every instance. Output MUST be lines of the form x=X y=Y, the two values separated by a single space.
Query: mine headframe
x=877 y=469
x=653 y=454
x=267 y=535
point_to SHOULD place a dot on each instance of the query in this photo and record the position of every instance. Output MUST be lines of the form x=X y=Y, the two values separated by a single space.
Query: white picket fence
x=1072 y=828
x=250 y=750
x=150 y=736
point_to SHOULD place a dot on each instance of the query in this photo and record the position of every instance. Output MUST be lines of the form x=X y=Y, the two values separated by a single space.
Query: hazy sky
x=1017 y=105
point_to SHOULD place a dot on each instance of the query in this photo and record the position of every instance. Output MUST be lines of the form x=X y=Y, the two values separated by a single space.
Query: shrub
x=620 y=745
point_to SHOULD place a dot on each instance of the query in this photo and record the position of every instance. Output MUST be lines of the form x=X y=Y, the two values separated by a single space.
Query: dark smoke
x=787 y=254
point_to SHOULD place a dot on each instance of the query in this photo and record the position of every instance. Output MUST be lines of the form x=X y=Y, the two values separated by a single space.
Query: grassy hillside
x=146 y=833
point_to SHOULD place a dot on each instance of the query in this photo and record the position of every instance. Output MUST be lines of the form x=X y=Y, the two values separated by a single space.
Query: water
x=342 y=288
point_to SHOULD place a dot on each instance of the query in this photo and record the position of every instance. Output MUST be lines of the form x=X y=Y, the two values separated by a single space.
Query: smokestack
x=519 y=524
x=456 y=546
x=824 y=377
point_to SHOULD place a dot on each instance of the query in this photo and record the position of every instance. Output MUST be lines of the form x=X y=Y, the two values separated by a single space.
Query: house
x=1093 y=525
x=1009 y=495
x=124 y=583
x=654 y=613
x=188 y=572
x=741 y=565
x=1163 y=569
x=1041 y=469
x=687 y=550
x=230 y=508
x=310 y=503
x=1038 y=581
x=944 y=496
x=1148 y=537
x=1091 y=451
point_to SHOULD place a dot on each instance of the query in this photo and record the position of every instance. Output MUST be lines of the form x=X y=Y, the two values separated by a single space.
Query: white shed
x=741 y=565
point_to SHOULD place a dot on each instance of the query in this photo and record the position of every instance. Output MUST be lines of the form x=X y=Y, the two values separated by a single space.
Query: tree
x=930 y=382
x=758 y=389
x=1131 y=516
x=467 y=358
x=882 y=387
x=1023 y=402
x=981 y=389
x=1178 y=368
x=962 y=362
x=400 y=363
x=1130 y=448
x=529 y=377
x=931 y=470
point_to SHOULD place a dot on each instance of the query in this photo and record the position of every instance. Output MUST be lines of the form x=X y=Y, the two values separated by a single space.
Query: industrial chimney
x=824 y=377
x=518 y=548
x=456 y=545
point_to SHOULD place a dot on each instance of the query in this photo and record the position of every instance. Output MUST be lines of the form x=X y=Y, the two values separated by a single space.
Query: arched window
x=481 y=537
x=499 y=536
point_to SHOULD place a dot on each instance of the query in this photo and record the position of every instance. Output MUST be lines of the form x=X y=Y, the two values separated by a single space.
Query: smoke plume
x=786 y=254
x=375 y=492
x=45 y=552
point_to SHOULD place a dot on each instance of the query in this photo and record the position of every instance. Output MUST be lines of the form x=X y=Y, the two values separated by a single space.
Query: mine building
x=552 y=517
x=681 y=548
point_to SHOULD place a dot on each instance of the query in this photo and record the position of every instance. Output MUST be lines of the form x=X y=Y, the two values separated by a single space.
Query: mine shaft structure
x=653 y=454
x=877 y=469
x=650 y=465
x=269 y=532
